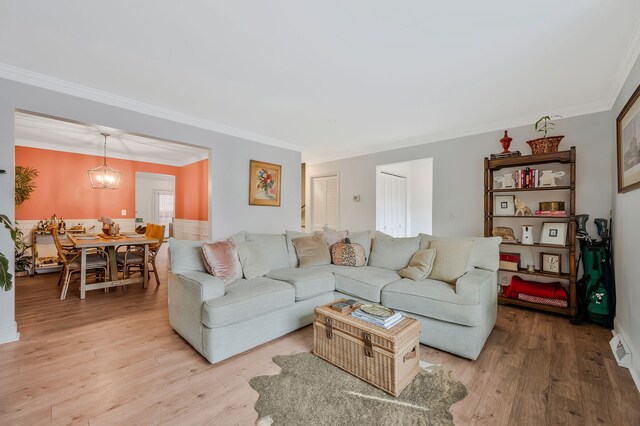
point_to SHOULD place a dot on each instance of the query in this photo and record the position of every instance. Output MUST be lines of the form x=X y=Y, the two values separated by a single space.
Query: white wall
x=458 y=167
x=228 y=167
x=626 y=208
x=146 y=184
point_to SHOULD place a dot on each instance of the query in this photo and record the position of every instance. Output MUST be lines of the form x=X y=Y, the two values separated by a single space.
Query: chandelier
x=104 y=177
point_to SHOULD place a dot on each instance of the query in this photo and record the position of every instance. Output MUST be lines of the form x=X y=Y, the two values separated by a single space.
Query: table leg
x=113 y=264
x=83 y=272
x=145 y=271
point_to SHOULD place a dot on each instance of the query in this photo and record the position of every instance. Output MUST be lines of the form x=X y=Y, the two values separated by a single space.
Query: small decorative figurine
x=505 y=232
x=521 y=208
x=506 y=180
x=505 y=142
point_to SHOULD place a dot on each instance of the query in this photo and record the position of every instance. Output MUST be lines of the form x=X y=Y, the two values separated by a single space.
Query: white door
x=392 y=208
x=163 y=211
x=324 y=203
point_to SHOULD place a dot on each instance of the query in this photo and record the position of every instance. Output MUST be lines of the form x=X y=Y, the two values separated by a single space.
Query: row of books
x=556 y=213
x=527 y=178
x=382 y=322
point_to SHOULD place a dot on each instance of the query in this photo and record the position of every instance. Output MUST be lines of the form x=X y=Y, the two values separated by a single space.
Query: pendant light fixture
x=104 y=177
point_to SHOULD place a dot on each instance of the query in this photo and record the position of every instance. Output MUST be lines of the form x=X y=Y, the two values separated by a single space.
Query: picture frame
x=551 y=263
x=554 y=233
x=264 y=183
x=628 y=144
x=504 y=205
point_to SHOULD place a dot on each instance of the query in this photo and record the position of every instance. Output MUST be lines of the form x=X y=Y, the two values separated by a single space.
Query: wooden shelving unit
x=562 y=157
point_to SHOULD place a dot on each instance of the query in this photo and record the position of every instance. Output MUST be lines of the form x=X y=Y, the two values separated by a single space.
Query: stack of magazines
x=377 y=320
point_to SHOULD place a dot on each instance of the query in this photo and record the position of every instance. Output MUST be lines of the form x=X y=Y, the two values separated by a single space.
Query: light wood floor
x=113 y=358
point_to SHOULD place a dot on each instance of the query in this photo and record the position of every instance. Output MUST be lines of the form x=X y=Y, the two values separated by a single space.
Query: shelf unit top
x=564 y=157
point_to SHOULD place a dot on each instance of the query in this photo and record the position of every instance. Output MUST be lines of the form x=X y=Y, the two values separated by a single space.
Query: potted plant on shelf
x=545 y=144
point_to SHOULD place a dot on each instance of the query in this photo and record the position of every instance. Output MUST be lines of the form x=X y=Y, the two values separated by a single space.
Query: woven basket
x=545 y=145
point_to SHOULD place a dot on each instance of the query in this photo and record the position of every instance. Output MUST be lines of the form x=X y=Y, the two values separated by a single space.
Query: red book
x=510 y=257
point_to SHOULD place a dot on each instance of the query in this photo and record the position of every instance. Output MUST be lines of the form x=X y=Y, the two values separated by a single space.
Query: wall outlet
x=123 y=212
x=356 y=198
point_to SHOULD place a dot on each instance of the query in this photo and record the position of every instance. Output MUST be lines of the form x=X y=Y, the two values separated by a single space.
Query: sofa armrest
x=187 y=292
x=202 y=285
x=473 y=282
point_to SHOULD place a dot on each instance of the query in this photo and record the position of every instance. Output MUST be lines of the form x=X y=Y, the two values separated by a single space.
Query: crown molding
x=525 y=120
x=32 y=78
x=92 y=152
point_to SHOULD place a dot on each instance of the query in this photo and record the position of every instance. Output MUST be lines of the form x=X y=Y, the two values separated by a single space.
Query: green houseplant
x=545 y=144
x=5 y=275
x=25 y=185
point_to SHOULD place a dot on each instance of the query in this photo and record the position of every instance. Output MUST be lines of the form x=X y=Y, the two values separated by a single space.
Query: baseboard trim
x=9 y=333
x=634 y=374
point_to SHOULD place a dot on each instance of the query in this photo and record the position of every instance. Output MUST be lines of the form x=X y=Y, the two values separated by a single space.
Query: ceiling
x=330 y=78
x=60 y=135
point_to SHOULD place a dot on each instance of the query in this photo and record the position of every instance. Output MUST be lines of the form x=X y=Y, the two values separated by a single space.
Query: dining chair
x=97 y=261
x=133 y=256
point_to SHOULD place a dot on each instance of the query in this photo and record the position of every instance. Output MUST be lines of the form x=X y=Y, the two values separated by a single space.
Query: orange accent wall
x=63 y=187
x=192 y=193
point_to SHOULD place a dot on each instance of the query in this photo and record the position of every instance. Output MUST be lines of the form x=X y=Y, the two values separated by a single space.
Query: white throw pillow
x=254 y=263
x=392 y=253
x=420 y=265
x=452 y=258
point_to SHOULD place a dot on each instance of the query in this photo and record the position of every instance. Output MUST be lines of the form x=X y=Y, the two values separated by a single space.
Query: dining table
x=110 y=244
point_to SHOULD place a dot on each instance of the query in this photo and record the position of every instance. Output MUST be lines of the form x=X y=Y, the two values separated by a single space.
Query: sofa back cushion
x=185 y=256
x=484 y=252
x=392 y=253
x=222 y=261
x=312 y=251
x=452 y=259
x=254 y=262
x=274 y=247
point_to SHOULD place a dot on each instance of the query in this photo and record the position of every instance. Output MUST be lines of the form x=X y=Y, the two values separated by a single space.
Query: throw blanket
x=543 y=301
x=532 y=288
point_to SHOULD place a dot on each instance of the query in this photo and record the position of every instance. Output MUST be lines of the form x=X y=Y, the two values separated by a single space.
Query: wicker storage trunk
x=388 y=359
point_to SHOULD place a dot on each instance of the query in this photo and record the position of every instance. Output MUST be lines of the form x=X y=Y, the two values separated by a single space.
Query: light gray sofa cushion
x=484 y=252
x=254 y=262
x=186 y=256
x=439 y=300
x=308 y=282
x=392 y=253
x=364 y=282
x=274 y=247
x=246 y=299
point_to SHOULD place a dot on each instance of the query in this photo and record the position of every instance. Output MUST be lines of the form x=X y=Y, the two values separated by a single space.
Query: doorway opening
x=404 y=198
x=155 y=200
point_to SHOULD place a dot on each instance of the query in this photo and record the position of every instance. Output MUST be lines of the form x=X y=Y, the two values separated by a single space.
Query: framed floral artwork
x=264 y=183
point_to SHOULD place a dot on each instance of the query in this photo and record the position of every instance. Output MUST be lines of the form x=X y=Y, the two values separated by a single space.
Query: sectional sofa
x=221 y=320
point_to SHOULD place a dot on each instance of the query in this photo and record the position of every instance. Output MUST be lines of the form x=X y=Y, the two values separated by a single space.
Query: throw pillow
x=291 y=235
x=392 y=253
x=364 y=239
x=221 y=260
x=331 y=237
x=420 y=265
x=312 y=251
x=254 y=263
x=452 y=258
x=348 y=254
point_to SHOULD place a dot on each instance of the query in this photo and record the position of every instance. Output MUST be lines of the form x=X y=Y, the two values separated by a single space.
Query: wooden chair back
x=62 y=251
x=157 y=232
